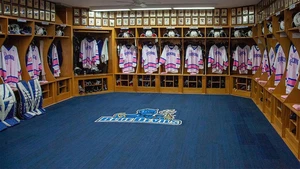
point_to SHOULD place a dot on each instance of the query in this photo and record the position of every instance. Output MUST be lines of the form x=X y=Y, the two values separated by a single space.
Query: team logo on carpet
x=153 y=116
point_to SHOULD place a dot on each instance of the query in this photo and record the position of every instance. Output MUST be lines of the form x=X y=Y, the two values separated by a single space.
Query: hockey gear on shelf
x=194 y=33
x=171 y=33
x=40 y=30
x=125 y=33
x=148 y=33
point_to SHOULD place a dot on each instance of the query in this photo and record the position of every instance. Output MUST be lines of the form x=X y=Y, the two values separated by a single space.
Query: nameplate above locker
x=21 y=20
x=45 y=23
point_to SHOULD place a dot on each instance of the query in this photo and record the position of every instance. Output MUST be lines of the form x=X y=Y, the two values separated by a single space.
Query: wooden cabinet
x=92 y=84
x=240 y=85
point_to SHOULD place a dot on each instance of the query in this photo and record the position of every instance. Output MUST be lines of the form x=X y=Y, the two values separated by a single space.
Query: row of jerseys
x=170 y=58
x=279 y=65
x=273 y=61
x=92 y=52
x=246 y=58
x=10 y=68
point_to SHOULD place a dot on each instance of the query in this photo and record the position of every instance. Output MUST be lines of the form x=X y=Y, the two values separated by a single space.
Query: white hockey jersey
x=254 y=62
x=292 y=71
x=149 y=58
x=279 y=65
x=10 y=68
x=55 y=61
x=89 y=54
x=127 y=60
x=271 y=57
x=104 y=52
x=217 y=59
x=265 y=63
x=240 y=59
x=170 y=57
x=193 y=59
x=33 y=63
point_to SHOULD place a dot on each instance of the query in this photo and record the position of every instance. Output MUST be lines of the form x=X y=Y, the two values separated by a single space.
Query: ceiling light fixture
x=141 y=9
x=108 y=10
x=176 y=8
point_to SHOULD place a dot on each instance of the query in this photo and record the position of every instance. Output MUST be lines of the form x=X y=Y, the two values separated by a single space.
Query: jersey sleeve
x=121 y=59
x=275 y=63
x=29 y=63
x=177 y=58
x=235 y=60
x=19 y=67
x=163 y=56
x=200 y=59
x=211 y=57
x=250 y=59
x=104 y=52
x=186 y=57
x=225 y=58
x=143 y=55
x=95 y=57
x=55 y=62
x=134 y=60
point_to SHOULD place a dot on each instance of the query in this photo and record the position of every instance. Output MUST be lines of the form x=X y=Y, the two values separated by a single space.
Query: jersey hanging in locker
x=240 y=57
x=170 y=57
x=149 y=58
x=193 y=59
x=89 y=55
x=217 y=59
x=33 y=64
x=292 y=73
x=279 y=65
x=254 y=62
x=10 y=68
x=127 y=61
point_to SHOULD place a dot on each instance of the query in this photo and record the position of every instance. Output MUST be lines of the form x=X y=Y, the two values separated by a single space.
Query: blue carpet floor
x=217 y=132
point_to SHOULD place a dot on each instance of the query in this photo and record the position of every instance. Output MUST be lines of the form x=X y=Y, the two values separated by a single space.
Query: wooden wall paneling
x=294 y=96
x=69 y=15
x=4 y=29
x=63 y=15
x=280 y=89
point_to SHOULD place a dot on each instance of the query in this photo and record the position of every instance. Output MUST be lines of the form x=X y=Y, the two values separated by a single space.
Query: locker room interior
x=149 y=84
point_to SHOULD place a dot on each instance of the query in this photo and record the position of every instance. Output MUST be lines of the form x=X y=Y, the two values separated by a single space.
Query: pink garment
x=296 y=106
x=284 y=96
x=271 y=89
